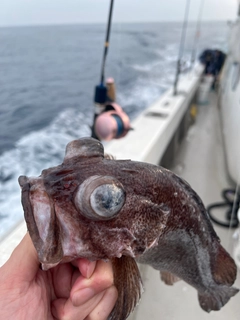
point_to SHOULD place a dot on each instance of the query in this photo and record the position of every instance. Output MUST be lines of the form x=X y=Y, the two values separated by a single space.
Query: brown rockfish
x=96 y=207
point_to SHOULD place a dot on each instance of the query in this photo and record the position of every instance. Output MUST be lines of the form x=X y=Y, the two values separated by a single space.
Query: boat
x=171 y=133
x=229 y=93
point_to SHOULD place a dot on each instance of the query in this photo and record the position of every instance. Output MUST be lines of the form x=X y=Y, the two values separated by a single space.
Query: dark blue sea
x=47 y=80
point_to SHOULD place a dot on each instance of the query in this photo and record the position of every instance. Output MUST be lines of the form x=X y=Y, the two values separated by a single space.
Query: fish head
x=93 y=207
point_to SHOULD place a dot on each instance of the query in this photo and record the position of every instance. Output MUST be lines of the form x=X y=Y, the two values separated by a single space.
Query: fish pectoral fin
x=168 y=278
x=128 y=282
x=219 y=297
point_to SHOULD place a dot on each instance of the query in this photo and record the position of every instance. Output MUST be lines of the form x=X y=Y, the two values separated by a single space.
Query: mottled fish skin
x=126 y=211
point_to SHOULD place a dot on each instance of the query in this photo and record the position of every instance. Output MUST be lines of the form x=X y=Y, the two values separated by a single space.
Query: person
x=213 y=60
x=74 y=291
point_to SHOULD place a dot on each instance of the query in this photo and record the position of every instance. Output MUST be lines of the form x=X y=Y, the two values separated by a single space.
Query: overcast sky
x=28 y=12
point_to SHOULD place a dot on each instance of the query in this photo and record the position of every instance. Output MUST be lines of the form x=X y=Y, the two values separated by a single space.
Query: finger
x=65 y=275
x=23 y=261
x=63 y=309
x=105 y=306
x=101 y=279
x=62 y=279
x=96 y=308
x=86 y=294
x=86 y=267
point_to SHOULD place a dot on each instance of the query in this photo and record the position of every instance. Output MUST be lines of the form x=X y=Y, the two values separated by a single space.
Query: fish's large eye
x=100 y=197
x=107 y=199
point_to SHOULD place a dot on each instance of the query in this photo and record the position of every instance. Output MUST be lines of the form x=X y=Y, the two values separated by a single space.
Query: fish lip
x=40 y=218
x=43 y=212
x=28 y=211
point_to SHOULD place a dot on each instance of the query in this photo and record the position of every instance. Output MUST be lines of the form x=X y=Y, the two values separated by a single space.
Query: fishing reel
x=110 y=121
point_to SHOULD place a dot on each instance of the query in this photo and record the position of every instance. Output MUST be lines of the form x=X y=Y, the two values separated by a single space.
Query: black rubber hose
x=232 y=203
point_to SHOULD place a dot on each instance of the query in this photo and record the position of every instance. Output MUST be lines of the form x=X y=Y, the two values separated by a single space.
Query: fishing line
x=119 y=51
x=182 y=45
x=197 y=33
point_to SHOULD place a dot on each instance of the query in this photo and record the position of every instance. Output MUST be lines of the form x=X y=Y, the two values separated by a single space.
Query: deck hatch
x=156 y=114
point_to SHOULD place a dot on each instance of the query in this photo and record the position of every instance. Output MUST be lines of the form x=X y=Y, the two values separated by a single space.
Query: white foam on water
x=34 y=152
x=147 y=67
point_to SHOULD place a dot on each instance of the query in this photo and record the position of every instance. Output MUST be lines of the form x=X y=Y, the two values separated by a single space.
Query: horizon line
x=104 y=23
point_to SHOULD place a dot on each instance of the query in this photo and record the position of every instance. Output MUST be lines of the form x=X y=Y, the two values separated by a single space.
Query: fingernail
x=81 y=296
x=90 y=269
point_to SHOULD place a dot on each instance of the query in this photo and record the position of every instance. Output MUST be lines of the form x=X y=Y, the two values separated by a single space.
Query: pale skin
x=70 y=291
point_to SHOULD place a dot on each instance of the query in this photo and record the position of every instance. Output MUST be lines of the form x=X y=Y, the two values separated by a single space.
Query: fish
x=95 y=207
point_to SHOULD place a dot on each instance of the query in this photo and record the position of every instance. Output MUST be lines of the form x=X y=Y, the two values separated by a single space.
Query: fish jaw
x=40 y=218
x=46 y=220
x=41 y=208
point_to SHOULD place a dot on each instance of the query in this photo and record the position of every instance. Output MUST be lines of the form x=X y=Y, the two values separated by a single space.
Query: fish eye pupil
x=106 y=203
x=106 y=200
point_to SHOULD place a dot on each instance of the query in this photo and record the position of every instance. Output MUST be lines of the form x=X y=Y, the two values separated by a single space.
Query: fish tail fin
x=224 y=268
x=216 y=300
x=224 y=272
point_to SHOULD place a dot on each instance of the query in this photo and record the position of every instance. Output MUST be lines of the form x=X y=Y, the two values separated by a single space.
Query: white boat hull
x=229 y=100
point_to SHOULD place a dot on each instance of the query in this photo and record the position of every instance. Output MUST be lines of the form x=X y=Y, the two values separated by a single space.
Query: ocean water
x=47 y=80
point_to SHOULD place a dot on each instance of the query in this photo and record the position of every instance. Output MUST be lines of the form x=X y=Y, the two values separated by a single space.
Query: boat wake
x=33 y=152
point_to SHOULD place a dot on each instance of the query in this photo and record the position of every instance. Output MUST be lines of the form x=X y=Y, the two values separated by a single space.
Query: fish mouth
x=37 y=207
x=52 y=231
x=25 y=185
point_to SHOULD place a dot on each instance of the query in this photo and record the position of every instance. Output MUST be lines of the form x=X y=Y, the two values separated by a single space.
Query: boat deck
x=200 y=161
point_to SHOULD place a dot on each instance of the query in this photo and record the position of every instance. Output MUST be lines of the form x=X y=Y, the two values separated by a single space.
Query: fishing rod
x=197 y=33
x=181 y=47
x=101 y=89
x=106 y=45
x=110 y=121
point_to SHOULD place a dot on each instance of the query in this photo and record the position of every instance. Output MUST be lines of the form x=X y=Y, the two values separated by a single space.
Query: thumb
x=23 y=262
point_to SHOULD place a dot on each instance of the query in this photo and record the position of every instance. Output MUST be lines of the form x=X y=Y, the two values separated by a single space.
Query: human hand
x=78 y=290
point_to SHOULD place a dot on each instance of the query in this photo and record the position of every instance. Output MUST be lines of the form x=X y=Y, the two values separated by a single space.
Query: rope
x=182 y=45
